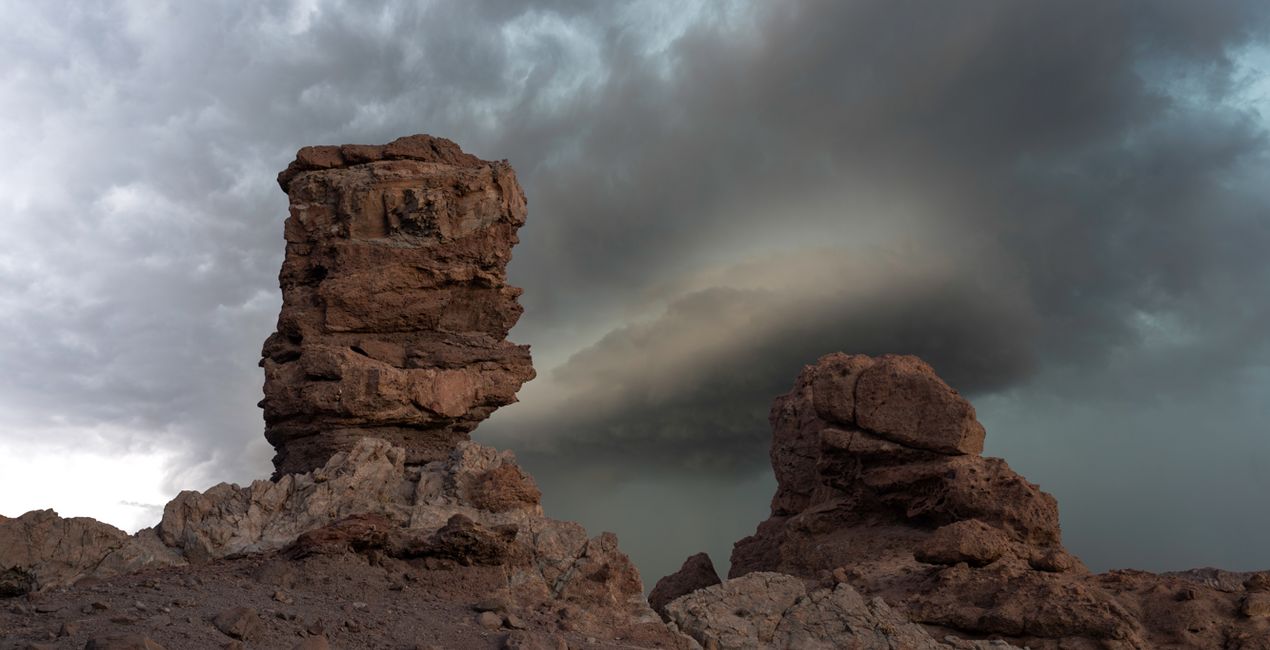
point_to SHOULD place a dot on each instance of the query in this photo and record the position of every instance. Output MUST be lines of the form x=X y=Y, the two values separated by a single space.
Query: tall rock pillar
x=395 y=302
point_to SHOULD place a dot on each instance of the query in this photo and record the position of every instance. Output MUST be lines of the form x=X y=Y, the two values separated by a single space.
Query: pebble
x=489 y=620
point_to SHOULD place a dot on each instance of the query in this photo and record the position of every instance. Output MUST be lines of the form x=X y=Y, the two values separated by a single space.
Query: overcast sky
x=1063 y=206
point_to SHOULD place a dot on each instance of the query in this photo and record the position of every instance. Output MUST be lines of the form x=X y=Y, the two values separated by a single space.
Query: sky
x=1064 y=207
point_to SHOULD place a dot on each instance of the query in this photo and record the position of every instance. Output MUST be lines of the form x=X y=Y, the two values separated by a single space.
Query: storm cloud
x=1063 y=206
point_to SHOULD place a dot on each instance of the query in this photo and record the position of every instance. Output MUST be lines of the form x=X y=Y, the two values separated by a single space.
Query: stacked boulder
x=395 y=302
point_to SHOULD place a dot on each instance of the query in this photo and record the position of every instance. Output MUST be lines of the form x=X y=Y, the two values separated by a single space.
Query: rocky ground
x=338 y=599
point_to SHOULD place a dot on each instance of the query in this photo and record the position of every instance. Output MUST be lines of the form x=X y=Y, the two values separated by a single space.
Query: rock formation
x=473 y=517
x=696 y=573
x=395 y=302
x=384 y=525
x=390 y=348
x=881 y=486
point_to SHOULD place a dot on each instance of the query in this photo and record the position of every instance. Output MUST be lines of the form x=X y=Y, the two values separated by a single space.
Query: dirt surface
x=352 y=600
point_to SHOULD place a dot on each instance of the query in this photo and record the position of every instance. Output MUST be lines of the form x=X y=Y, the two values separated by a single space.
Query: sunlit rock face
x=396 y=305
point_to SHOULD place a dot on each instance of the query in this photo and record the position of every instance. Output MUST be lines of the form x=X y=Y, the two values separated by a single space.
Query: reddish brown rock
x=880 y=485
x=505 y=487
x=396 y=305
x=696 y=573
x=970 y=541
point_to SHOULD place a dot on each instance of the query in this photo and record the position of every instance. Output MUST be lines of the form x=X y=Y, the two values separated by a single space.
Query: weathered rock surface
x=40 y=550
x=696 y=573
x=773 y=610
x=396 y=305
x=368 y=499
x=880 y=483
x=428 y=511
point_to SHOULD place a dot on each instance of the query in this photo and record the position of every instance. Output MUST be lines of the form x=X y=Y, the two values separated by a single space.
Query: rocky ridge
x=475 y=509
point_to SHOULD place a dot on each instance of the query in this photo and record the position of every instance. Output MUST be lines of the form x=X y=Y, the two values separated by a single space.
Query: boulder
x=696 y=573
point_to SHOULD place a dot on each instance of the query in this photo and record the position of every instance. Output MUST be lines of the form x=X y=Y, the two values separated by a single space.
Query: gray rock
x=772 y=610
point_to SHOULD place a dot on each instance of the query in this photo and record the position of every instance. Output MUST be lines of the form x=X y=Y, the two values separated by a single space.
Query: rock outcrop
x=774 y=610
x=396 y=305
x=368 y=497
x=40 y=550
x=364 y=499
x=881 y=486
x=696 y=573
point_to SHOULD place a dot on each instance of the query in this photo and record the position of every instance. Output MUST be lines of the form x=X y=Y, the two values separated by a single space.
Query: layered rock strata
x=395 y=302
x=881 y=486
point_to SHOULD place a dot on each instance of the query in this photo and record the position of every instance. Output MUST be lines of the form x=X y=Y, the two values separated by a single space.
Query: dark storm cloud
x=138 y=277
x=1086 y=163
x=1050 y=201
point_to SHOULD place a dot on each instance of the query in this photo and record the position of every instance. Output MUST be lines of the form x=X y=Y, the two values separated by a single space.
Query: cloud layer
x=1062 y=206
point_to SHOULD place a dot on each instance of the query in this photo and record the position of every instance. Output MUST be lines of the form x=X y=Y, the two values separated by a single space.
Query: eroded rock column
x=396 y=305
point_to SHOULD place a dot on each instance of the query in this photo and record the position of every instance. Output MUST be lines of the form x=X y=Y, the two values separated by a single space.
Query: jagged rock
x=773 y=610
x=368 y=498
x=696 y=573
x=879 y=483
x=40 y=550
x=395 y=301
